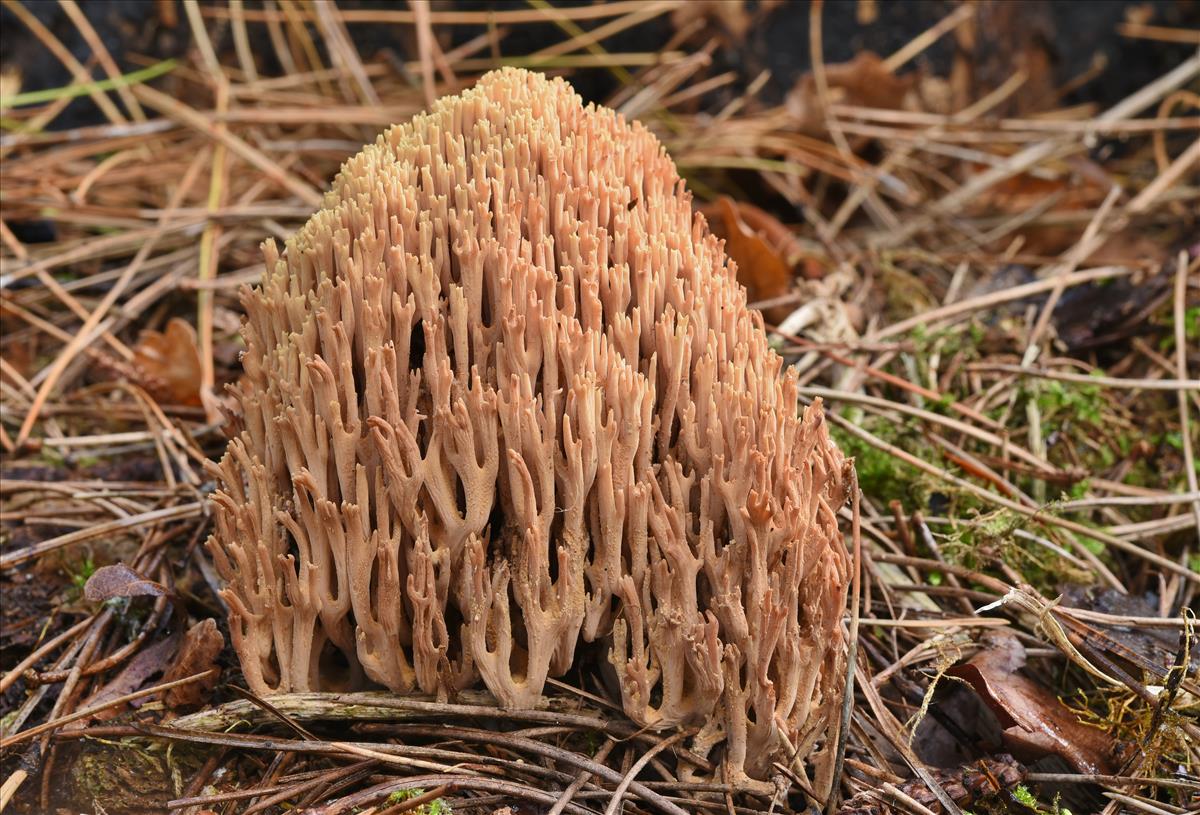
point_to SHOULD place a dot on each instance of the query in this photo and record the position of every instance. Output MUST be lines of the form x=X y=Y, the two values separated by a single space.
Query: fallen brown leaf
x=168 y=364
x=863 y=81
x=803 y=261
x=761 y=266
x=151 y=660
x=727 y=19
x=1035 y=722
x=119 y=580
x=1074 y=188
x=199 y=651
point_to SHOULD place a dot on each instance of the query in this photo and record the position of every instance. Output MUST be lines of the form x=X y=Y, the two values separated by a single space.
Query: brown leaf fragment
x=863 y=81
x=804 y=260
x=728 y=20
x=168 y=364
x=1015 y=37
x=149 y=661
x=118 y=580
x=974 y=783
x=167 y=13
x=1035 y=722
x=761 y=267
x=199 y=651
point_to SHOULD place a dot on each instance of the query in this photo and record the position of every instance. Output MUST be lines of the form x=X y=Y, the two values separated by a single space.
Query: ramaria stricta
x=505 y=408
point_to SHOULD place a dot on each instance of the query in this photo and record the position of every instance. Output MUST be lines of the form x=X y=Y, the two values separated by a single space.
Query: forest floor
x=993 y=287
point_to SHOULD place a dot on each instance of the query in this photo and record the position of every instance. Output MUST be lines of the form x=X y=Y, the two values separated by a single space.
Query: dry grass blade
x=52 y=43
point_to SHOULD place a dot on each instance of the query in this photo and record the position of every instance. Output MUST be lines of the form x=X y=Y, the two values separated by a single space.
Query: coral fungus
x=503 y=397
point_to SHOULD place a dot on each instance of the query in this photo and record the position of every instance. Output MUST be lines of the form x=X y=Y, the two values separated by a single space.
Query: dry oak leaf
x=1035 y=722
x=168 y=364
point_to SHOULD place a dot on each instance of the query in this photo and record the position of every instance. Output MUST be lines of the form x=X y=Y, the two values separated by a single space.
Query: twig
x=938 y=315
x=1091 y=379
x=18 y=670
x=19 y=556
x=45 y=727
x=420 y=10
x=208 y=257
x=847 y=709
x=1181 y=346
x=1154 y=190
x=241 y=40
x=614 y=806
x=580 y=780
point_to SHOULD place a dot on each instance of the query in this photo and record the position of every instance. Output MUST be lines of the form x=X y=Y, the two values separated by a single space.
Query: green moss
x=404 y=795
x=1079 y=489
x=1060 y=402
x=1092 y=545
x=1084 y=427
x=1024 y=797
x=988 y=539
x=127 y=775
x=437 y=806
x=881 y=476
x=52 y=456
x=947 y=341
x=81 y=573
x=1191 y=329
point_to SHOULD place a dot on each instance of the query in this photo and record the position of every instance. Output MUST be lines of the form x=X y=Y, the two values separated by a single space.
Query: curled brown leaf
x=770 y=257
x=118 y=580
x=168 y=364
x=1035 y=722
x=199 y=651
x=864 y=81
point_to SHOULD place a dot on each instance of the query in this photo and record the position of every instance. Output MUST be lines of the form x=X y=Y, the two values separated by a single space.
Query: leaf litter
x=993 y=290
